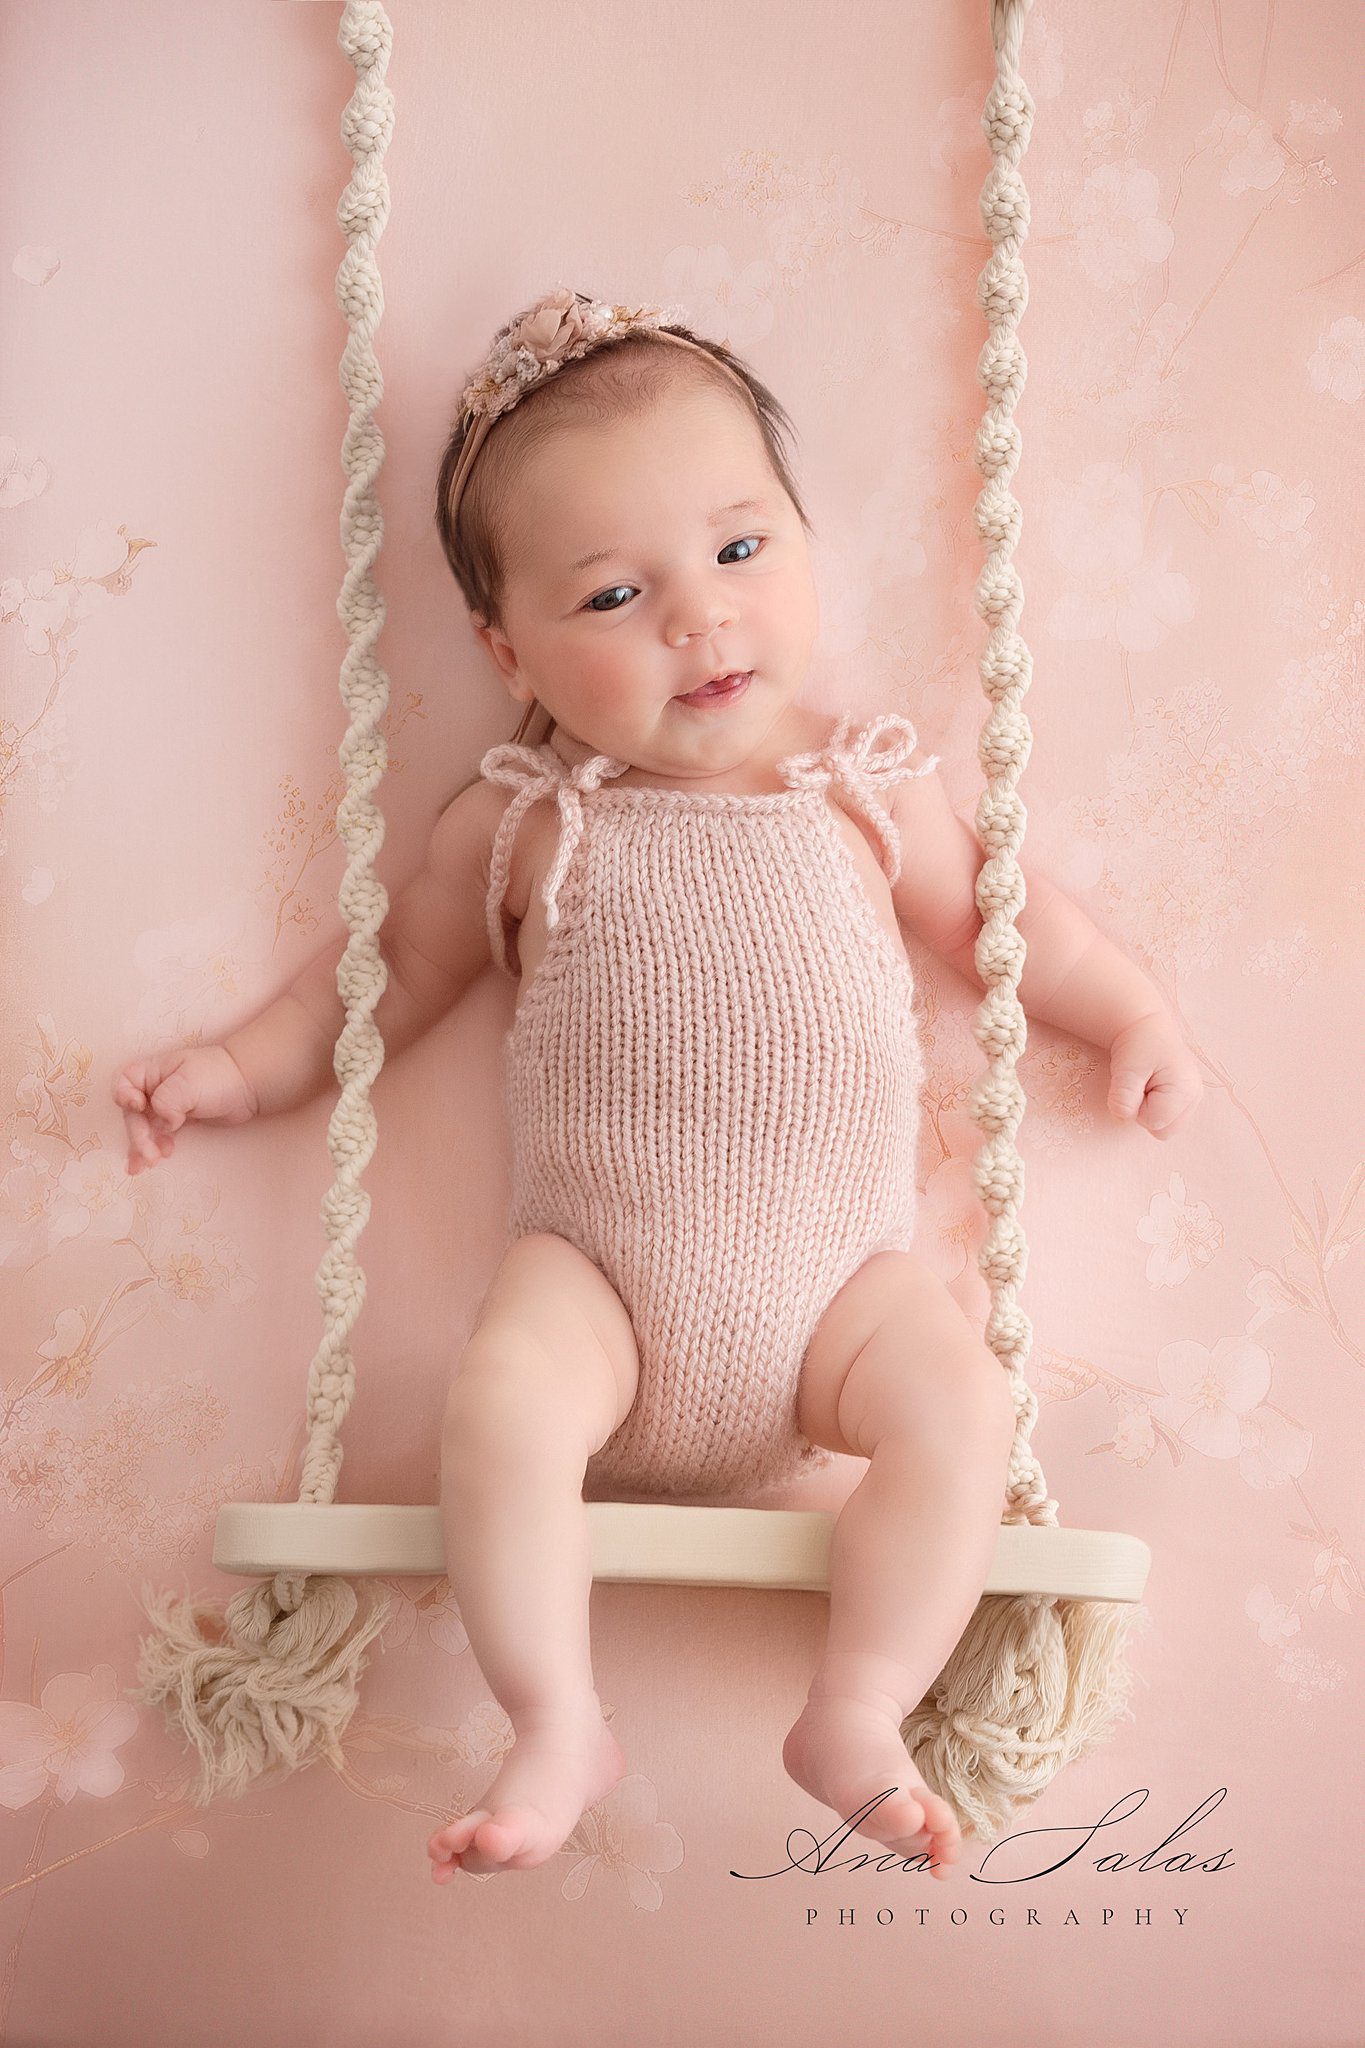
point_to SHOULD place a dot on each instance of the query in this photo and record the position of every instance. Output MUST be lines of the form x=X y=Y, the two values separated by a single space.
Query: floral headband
x=559 y=327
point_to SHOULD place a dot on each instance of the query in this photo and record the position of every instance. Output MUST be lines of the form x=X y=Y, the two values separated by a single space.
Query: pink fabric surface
x=169 y=457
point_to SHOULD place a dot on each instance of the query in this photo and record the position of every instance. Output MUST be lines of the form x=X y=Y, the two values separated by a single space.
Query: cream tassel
x=263 y=1687
x=1035 y=1682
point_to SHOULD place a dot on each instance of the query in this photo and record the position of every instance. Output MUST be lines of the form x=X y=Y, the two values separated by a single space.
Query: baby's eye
x=592 y=604
x=750 y=540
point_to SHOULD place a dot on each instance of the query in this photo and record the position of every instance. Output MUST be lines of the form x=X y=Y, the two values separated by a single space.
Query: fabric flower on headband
x=561 y=325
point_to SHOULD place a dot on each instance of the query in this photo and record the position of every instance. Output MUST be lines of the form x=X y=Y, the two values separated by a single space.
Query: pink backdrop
x=807 y=186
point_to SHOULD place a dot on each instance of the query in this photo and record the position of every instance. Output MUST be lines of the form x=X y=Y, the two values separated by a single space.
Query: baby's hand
x=1153 y=1075
x=161 y=1091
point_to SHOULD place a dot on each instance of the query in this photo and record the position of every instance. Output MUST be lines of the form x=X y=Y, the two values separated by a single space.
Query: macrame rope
x=1035 y=1680
x=271 y=1683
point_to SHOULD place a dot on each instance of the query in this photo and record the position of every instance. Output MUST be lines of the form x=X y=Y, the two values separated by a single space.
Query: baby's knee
x=999 y=1416
x=985 y=1416
x=512 y=1404
x=961 y=1409
x=499 y=1389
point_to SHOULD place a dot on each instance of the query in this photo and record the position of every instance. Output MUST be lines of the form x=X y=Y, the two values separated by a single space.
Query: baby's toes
x=515 y=1838
x=902 y=1820
x=945 y=1835
x=938 y=1815
x=447 y=1844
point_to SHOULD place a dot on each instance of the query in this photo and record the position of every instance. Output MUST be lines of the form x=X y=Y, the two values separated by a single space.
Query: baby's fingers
x=131 y=1097
x=146 y=1147
x=1164 y=1110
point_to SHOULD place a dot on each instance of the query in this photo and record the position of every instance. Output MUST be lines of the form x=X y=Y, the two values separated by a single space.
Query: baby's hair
x=615 y=380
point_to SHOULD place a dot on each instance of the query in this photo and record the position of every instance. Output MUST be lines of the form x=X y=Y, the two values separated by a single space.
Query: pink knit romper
x=713 y=1084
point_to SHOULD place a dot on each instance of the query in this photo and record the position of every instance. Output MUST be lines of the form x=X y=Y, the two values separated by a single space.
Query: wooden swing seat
x=658 y=1543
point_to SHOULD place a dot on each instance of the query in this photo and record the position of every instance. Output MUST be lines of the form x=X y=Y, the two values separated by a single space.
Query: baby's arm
x=1073 y=976
x=434 y=941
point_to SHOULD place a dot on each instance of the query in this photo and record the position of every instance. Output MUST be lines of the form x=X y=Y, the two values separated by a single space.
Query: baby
x=712 y=1068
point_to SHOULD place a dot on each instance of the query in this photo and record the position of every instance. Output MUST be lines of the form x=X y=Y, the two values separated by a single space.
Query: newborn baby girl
x=713 y=1069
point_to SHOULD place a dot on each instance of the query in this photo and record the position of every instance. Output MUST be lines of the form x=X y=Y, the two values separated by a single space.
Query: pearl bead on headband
x=559 y=327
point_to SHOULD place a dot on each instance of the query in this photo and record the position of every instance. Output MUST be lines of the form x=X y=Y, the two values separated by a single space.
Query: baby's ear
x=504 y=658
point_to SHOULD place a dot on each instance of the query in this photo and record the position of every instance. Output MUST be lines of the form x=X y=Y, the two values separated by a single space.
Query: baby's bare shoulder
x=463 y=837
x=435 y=934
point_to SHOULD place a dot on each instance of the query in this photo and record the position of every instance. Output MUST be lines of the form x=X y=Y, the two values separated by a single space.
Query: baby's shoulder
x=462 y=838
x=869 y=758
x=531 y=845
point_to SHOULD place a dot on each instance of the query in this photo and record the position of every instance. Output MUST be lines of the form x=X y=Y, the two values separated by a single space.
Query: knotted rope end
x=258 y=1689
x=1035 y=1682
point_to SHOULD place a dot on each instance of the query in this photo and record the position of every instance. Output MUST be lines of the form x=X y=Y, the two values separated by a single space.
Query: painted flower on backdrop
x=1270 y=1296
x=35 y=263
x=1252 y=156
x=67 y=1741
x=1337 y=365
x=1183 y=1235
x=727 y=299
x=1276 y=514
x=1214 y=1403
x=1275 y=1622
x=1117 y=585
x=47 y=603
x=194 y=1265
x=1120 y=236
x=1308 y=1674
x=198 y=975
x=29 y=1221
x=622 y=1834
x=425 y=1607
x=1114 y=127
x=21 y=476
x=1134 y=1438
x=92 y=1197
x=1184 y=821
x=1288 y=957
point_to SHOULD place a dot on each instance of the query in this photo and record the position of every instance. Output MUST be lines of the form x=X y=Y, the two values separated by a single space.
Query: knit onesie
x=713 y=1084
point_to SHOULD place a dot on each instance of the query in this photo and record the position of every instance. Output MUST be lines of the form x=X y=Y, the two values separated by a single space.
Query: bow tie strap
x=531 y=773
x=865 y=772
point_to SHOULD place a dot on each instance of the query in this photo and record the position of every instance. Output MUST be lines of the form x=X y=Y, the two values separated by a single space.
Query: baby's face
x=682 y=590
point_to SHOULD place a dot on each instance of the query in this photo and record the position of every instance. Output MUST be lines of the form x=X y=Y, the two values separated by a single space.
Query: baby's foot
x=561 y=1762
x=845 y=1749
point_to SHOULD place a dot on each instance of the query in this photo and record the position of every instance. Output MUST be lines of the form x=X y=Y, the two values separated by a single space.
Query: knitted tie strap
x=863 y=771
x=532 y=772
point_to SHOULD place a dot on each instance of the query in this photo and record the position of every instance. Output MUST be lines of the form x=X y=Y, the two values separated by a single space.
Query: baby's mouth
x=721 y=690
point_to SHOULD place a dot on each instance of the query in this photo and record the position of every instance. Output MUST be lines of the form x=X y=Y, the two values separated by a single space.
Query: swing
x=1039 y=1673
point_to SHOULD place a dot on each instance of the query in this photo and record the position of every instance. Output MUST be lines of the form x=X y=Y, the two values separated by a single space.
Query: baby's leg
x=549 y=1371
x=896 y=1374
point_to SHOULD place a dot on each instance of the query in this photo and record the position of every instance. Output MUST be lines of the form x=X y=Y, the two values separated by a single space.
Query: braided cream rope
x=274 y=1681
x=1035 y=1680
